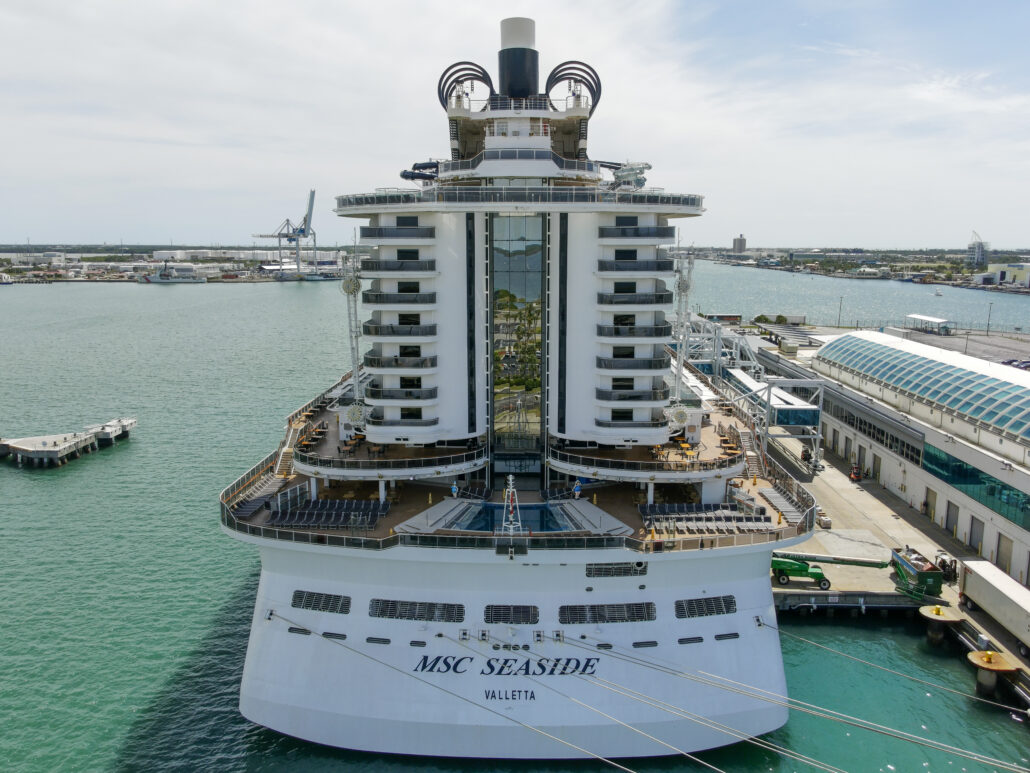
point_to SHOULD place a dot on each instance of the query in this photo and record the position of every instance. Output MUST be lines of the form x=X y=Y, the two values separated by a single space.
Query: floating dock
x=59 y=449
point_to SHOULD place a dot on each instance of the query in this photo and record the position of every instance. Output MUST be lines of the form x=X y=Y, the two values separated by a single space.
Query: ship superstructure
x=509 y=334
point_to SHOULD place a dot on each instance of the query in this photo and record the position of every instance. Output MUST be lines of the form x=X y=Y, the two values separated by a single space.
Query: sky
x=853 y=123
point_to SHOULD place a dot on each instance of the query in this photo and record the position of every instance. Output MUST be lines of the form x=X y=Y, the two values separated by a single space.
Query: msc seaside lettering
x=452 y=664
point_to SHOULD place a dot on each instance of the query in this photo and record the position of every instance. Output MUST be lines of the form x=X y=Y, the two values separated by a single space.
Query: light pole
x=989 y=307
x=840 y=307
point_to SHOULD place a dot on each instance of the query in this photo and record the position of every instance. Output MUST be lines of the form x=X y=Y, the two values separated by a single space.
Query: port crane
x=295 y=235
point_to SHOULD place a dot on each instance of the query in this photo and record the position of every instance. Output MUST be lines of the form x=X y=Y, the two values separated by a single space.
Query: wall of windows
x=874 y=432
x=517 y=280
x=1006 y=501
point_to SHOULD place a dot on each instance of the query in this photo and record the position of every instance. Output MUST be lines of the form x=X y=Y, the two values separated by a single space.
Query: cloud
x=217 y=118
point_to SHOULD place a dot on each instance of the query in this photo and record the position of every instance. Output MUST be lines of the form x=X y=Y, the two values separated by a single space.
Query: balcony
x=634 y=363
x=381 y=361
x=399 y=331
x=371 y=265
x=643 y=424
x=634 y=331
x=632 y=395
x=378 y=421
x=635 y=232
x=637 y=266
x=635 y=299
x=681 y=203
x=519 y=154
x=378 y=393
x=398 y=232
x=400 y=299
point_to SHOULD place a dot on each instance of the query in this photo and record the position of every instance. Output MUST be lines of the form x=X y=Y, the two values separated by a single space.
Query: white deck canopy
x=928 y=324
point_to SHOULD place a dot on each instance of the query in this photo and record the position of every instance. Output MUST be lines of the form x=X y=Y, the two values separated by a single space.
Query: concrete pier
x=57 y=450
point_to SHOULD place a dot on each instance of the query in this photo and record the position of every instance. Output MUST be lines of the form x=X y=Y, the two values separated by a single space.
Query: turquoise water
x=126 y=610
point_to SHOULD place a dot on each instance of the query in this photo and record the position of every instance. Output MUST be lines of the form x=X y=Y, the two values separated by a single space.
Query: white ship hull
x=476 y=698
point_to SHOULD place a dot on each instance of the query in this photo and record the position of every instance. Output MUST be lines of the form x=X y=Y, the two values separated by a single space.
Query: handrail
x=647 y=424
x=624 y=299
x=633 y=363
x=373 y=296
x=636 y=231
x=447 y=194
x=641 y=266
x=387 y=361
x=379 y=393
x=373 y=264
x=634 y=331
x=616 y=395
x=398 y=232
x=379 y=421
x=372 y=329
x=536 y=542
x=518 y=154
x=603 y=463
x=330 y=462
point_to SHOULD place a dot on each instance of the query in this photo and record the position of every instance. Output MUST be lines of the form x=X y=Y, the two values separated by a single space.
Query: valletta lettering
x=452 y=664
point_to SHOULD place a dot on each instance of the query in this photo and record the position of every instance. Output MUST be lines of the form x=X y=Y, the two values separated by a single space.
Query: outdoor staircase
x=752 y=457
x=284 y=465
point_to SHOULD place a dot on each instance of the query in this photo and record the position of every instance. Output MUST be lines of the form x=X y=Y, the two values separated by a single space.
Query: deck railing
x=604 y=463
x=442 y=194
x=334 y=463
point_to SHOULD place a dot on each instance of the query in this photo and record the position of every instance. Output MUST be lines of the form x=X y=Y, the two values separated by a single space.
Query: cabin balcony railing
x=401 y=331
x=634 y=331
x=643 y=424
x=633 y=363
x=631 y=299
x=378 y=393
x=398 y=232
x=636 y=266
x=631 y=395
x=449 y=194
x=636 y=232
x=379 y=421
x=604 y=463
x=372 y=265
x=519 y=154
x=393 y=361
x=332 y=462
x=372 y=296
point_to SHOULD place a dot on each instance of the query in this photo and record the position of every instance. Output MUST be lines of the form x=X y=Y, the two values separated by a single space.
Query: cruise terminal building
x=946 y=432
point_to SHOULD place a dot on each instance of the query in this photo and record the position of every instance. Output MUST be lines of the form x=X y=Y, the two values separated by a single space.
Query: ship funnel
x=518 y=61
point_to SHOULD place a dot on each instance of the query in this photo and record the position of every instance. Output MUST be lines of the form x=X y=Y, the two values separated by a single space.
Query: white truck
x=983 y=585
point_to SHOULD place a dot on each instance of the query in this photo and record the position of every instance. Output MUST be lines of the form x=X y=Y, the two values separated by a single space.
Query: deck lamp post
x=989 y=307
x=840 y=307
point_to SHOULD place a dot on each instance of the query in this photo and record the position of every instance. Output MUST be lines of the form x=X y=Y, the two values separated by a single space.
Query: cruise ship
x=523 y=525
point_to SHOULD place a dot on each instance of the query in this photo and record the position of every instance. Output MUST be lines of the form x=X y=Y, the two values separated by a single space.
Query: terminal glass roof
x=981 y=391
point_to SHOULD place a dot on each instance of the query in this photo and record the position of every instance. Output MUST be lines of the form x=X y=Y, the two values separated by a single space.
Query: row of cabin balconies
x=423 y=233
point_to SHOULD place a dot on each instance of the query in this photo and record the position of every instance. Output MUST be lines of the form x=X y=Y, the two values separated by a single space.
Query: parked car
x=1009 y=362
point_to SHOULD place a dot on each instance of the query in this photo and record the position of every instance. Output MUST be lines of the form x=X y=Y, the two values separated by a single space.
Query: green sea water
x=125 y=610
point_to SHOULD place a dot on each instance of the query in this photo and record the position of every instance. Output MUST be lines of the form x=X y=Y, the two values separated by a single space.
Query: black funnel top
x=518 y=61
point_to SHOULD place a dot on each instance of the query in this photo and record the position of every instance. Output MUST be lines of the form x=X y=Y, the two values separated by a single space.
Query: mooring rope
x=936 y=686
x=460 y=697
x=554 y=689
x=814 y=710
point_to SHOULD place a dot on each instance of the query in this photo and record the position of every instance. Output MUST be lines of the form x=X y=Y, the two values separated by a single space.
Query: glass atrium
x=978 y=391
